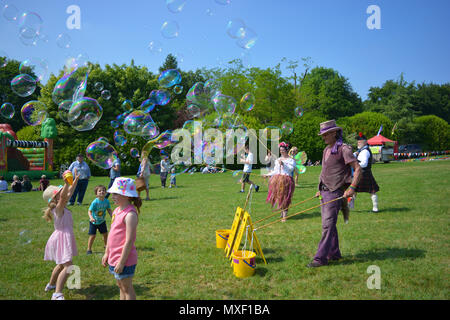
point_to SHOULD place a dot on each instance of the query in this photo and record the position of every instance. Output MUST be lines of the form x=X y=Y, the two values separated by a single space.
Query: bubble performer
x=335 y=181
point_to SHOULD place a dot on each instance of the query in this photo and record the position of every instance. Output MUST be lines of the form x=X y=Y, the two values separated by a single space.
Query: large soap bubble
x=71 y=86
x=170 y=29
x=30 y=25
x=236 y=28
x=160 y=97
x=7 y=110
x=102 y=154
x=37 y=65
x=63 y=110
x=23 y=85
x=248 y=101
x=34 y=112
x=200 y=95
x=223 y=103
x=84 y=114
x=135 y=122
x=169 y=78
x=175 y=6
x=248 y=38
x=162 y=141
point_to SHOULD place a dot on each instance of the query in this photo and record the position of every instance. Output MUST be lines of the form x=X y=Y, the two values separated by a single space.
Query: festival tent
x=379 y=140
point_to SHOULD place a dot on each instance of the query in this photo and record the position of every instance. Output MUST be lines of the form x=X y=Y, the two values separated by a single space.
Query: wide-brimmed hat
x=328 y=126
x=50 y=192
x=124 y=186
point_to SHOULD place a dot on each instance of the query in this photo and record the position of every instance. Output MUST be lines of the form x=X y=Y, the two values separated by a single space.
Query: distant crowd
x=23 y=186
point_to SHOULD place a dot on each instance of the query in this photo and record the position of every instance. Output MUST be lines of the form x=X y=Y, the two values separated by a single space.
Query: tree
x=48 y=129
x=329 y=93
x=432 y=99
x=170 y=63
x=7 y=73
x=434 y=133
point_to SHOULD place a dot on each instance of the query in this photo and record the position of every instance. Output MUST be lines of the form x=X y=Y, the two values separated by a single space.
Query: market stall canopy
x=378 y=140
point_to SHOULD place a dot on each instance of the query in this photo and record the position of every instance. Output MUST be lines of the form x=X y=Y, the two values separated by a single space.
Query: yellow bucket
x=244 y=263
x=222 y=238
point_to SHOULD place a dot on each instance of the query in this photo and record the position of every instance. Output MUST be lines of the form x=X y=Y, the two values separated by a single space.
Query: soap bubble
x=5 y=57
x=34 y=112
x=119 y=139
x=10 y=12
x=7 y=110
x=223 y=2
x=161 y=97
x=175 y=6
x=170 y=29
x=84 y=226
x=298 y=112
x=301 y=157
x=272 y=133
x=162 y=141
x=223 y=103
x=98 y=86
x=200 y=95
x=193 y=111
x=106 y=94
x=71 y=86
x=300 y=168
x=37 y=65
x=155 y=47
x=148 y=105
x=84 y=114
x=150 y=130
x=178 y=89
x=134 y=152
x=287 y=128
x=127 y=105
x=248 y=38
x=23 y=85
x=236 y=28
x=248 y=101
x=169 y=78
x=30 y=25
x=25 y=237
x=114 y=124
x=135 y=122
x=63 y=41
x=63 y=110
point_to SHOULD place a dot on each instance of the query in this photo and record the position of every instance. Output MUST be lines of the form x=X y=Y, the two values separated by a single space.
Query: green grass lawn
x=178 y=259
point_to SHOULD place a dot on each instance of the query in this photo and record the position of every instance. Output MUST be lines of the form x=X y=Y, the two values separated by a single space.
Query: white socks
x=374 y=202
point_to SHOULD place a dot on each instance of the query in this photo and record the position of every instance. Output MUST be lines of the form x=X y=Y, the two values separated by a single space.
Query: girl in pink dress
x=120 y=253
x=61 y=246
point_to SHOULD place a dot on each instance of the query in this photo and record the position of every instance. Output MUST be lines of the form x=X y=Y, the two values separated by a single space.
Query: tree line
x=408 y=112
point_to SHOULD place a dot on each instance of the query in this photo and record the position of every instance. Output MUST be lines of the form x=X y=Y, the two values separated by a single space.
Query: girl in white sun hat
x=120 y=253
x=61 y=246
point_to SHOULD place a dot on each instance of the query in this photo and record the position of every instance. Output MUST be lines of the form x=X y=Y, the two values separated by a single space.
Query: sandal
x=58 y=296
x=49 y=287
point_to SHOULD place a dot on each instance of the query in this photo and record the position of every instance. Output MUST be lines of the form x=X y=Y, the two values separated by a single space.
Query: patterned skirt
x=281 y=189
x=367 y=183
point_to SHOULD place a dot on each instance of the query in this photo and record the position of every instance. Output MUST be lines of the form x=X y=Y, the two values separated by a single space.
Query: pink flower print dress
x=61 y=245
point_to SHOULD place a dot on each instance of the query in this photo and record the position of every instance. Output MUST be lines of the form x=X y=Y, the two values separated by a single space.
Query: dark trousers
x=329 y=243
x=111 y=181
x=163 y=176
x=80 y=190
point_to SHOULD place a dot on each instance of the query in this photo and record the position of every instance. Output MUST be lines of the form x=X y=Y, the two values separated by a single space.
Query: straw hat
x=328 y=126
x=50 y=192
x=124 y=186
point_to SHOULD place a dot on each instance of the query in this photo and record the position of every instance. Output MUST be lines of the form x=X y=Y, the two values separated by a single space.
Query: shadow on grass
x=103 y=292
x=383 y=254
x=305 y=215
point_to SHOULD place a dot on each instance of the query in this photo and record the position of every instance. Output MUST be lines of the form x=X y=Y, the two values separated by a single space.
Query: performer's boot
x=374 y=202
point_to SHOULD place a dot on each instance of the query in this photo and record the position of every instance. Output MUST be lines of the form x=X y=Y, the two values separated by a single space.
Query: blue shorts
x=127 y=272
x=93 y=228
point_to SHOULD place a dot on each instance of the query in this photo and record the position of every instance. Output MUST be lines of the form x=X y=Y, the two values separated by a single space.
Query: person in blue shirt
x=114 y=173
x=97 y=211
x=80 y=167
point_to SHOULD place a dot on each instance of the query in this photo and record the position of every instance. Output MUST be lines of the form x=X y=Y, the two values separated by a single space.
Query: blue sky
x=413 y=39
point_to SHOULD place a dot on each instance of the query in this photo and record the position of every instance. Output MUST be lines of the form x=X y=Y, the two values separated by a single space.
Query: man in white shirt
x=367 y=183
x=248 y=162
